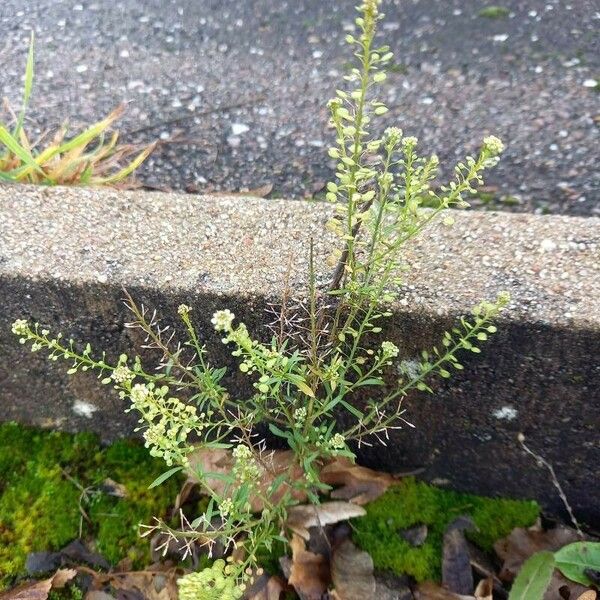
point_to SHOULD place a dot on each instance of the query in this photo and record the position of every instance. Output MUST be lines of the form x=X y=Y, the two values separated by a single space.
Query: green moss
x=494 y=12
x=69 y=592
x=41 y=477
x=414 y=503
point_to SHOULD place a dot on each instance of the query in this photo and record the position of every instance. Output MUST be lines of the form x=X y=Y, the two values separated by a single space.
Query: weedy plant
x=86 y=159
x=310 y=376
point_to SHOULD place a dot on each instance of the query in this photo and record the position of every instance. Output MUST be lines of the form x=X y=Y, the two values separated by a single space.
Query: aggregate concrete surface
x=236 y=90
x=245 y=247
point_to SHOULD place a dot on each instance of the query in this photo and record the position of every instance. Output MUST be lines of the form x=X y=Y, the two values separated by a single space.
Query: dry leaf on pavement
x=39 y=590
x=272 y=464
x=560 y=588
x=261 y=192
x=360 y=484
x=157 y=583
x=301 y=518
x=309 y=573
x=457 y=574
x=432 y=591
x=351 y=573
x=520 y=544
x=485 y=589
x=271 y=589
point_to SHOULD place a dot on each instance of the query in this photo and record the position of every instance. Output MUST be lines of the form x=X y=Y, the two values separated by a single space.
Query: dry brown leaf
x=457 y=574
x=485 y=589
x=310 y=575
x=39 y=590
x=360 y=484
x=32 y=591
x=432 y=591
x=589 y=595
x=352 y=573
x=261 y=192
x=271 y=590
x=520 y=544
x=302 y=517
x=152 y=584
x=272 y=464
x=560 y=587
x=95 y=595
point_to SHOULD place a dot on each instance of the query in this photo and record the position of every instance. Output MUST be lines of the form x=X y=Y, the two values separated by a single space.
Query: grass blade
x=162 y=478
x=13 y=145
x=126 y=171
x=28 y=87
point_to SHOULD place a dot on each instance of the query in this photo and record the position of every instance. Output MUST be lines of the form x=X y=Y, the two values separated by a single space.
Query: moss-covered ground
x=41 y=476
x=415 y=503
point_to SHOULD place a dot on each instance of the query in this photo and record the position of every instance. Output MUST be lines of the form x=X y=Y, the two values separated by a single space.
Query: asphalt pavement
x=236 y=90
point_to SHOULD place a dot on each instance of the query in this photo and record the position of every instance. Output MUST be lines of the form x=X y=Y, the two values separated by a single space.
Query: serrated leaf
x=574 y=559
x=533 y=577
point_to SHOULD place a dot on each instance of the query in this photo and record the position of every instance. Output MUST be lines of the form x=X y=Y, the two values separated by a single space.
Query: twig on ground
x=543 y=462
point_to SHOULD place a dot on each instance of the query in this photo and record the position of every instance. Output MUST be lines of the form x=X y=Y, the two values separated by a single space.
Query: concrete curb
x=66 y=253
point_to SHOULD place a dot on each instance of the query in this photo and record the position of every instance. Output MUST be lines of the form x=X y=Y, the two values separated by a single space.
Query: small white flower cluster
x=213 y=583
x=299 y=416
x=183 y=310
x=370 y=6
x=393 y=135
x=245 y=469
x=122 y=374
x=168 y=423
x=493 y=145
x=389 y=349
x=408 y=143
x=139 y=395
x=222 y=320
x=226 y=507
x=21 y=327
x=337 y=441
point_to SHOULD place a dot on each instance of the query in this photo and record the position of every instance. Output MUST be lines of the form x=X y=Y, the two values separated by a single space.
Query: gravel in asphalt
x=236 y=90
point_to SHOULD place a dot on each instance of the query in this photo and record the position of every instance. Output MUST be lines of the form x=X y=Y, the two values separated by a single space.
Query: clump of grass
x=92 y=157
x=494 y=12
x=416 y=503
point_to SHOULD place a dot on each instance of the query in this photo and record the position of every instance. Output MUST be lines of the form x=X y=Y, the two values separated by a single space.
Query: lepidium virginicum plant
x=307 y=378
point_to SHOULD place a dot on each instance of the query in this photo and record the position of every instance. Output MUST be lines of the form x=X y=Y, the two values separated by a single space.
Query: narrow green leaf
x=352 y=409
x=370 y=381
x=13 y=145
x=162 y=478
x=278 y=482
x=533 y=578
x=305 y=389
x=574 y=559
x=129 y=169
x=278 y=432
x=27 y=90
